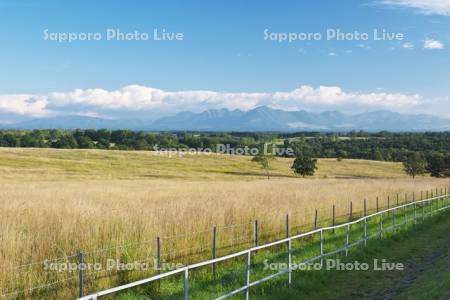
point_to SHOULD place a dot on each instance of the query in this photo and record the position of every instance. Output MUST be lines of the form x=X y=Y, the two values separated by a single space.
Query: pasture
x=58 y=202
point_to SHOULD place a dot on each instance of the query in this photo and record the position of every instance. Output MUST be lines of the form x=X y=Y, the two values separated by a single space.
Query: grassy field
x=423 y=250
x=57 y=202
x=29 y=164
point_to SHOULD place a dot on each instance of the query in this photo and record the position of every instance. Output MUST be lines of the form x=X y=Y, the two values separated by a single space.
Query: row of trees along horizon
x=423 y=152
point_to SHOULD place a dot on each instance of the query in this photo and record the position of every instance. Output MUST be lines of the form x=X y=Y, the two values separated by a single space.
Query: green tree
x=438 y=165
x=9 y=140
x=66 y=141
x=84 y=142
x=304 y=165
x=414 y=164
x=264 y=161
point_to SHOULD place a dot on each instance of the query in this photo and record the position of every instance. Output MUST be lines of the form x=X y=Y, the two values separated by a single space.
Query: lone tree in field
x=304 y=165
x=415 y=164
x=264 y=161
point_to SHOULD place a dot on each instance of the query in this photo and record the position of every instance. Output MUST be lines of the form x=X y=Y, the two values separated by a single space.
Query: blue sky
x=223 y=59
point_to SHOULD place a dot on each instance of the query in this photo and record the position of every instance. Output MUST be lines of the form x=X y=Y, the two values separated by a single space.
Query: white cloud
x=23 y=104
x=331 y=54
x=432 y=44
x=139 y=100
x=335 y=97
x=408 y=46
x=426 y=7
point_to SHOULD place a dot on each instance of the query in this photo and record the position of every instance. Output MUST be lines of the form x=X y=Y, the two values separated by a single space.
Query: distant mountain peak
x=261 y=118
x=265 y=118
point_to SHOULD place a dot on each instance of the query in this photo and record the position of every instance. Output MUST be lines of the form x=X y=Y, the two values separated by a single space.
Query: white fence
x=378 y=216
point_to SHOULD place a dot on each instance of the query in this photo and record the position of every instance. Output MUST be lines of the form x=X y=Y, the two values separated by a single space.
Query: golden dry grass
x=56 y=202
x=58 y=164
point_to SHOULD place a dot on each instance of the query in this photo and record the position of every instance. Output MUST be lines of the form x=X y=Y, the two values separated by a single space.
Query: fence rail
x=378 y=216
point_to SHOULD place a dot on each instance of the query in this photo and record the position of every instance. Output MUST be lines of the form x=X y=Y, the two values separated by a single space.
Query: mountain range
x=262 y=118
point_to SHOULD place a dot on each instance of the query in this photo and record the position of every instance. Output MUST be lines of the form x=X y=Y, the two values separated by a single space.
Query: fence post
x=395 y=212
x=287 y=225
x=186 y=284
x=377 y=204
x=334 y=216
x=288 y=245
x=214 y=249
x=158 y=255
x=422 y=205
x=445 y=197
x=256 y=233
x=404 y=208
x=247 y=292
x=321 y=247
x=448 y=194
x=397 y=199
x=81 y=272
x=414 y=200
x=381 y=225
x=315 y=220
x=432 y=203
x=365 y=207
x=347 y=237
x=290 y=261
x=389 y=204
x=437 y=200
x=365 y=232
x=351 y=211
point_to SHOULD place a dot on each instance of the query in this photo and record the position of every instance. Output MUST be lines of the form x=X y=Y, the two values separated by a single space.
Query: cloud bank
x=142 y=101
x=426 y=7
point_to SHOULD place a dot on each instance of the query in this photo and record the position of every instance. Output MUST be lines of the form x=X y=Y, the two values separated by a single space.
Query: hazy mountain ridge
x=259 y=119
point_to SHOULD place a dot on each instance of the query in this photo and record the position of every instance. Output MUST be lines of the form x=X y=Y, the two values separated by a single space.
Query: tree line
x=124 y=139
x=430 y=149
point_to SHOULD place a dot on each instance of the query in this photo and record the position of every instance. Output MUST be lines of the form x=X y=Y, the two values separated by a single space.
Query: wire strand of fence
x=201 y=248
x=94 y=251
x=235 y=225
x=274 y=231
x=113 y=272
x=231 y=242
x=185 y=234
x=38 y=263
x=47 y=285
